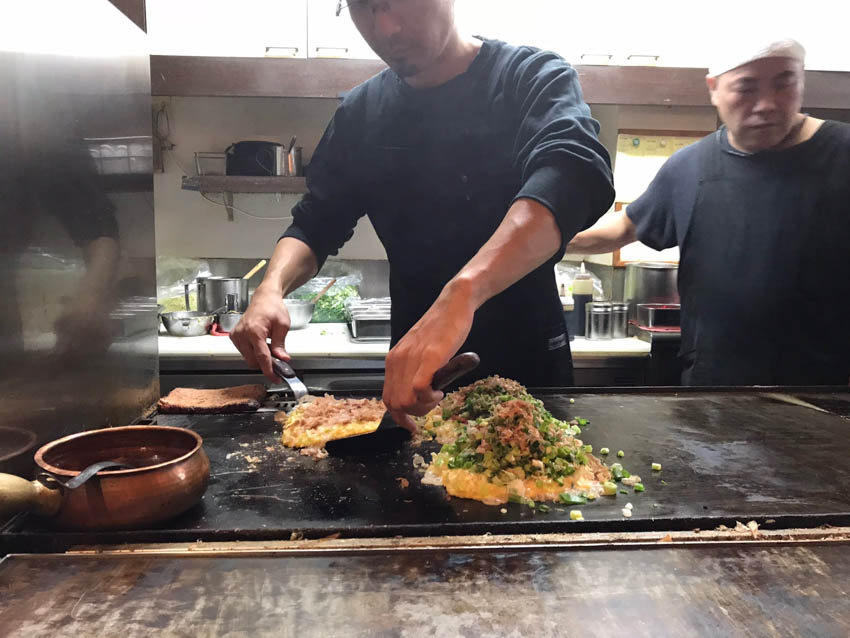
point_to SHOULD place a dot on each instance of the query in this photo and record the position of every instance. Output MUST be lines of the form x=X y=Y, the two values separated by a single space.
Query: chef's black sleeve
x=651 y=215
x=564 y=165
x=325 y=217
x=661 y=215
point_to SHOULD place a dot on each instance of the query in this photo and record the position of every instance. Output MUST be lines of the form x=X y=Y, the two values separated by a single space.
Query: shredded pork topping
x=330 y=411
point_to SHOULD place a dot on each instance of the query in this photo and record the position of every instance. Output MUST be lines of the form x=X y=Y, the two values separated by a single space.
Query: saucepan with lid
x=162 y=472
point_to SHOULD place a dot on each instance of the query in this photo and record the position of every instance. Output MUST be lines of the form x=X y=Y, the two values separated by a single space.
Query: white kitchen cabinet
x=621 y=32
x=658 y=32
x=686 y=41
x=614 y=32
x=332 y=36
x=250 y=28
x=541 y=23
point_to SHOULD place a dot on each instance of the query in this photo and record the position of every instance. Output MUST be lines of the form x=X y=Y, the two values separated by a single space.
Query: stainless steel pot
x=650 y=282
x=213 y=291
x=187 y=323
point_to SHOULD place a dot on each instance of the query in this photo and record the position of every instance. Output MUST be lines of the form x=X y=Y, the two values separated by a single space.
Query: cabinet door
x=685 y=39
x=614 y=32
x=544 y=24
x=332 y=36
x=250 y=28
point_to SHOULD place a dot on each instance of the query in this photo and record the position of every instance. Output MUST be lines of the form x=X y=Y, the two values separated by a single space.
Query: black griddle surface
x=726 y=457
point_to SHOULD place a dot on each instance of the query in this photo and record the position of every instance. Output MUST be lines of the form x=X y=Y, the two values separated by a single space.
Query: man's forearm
x=292 y=264
x=526 y=239
x=610 y=233
x=101 y=256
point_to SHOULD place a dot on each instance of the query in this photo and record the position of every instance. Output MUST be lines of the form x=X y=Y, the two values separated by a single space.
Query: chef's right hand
x=266 y=318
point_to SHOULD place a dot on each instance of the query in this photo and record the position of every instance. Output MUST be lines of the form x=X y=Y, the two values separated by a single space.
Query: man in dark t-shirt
x=760 y=210
x=476 y=162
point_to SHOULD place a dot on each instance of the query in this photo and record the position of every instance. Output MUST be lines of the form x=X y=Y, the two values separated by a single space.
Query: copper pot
x=169 y=474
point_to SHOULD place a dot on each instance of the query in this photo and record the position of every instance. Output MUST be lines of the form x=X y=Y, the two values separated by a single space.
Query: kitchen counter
x=331 y=340
x=328 y=360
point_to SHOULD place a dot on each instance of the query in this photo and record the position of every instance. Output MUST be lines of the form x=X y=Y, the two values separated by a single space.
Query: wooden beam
x=643 y=85
x=258 y=77
x=328 y=78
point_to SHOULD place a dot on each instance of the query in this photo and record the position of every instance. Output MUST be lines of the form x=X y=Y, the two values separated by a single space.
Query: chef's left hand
x=428 y=346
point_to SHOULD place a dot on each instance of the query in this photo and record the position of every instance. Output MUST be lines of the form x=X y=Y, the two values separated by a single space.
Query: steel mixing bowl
x=300 y=313
x=187 y=323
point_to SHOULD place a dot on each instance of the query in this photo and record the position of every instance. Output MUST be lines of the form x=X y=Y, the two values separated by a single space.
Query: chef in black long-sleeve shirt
x=476 y=163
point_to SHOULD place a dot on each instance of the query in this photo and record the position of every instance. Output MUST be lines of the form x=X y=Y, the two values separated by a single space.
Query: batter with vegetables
x=500 y=445
x=476 y=162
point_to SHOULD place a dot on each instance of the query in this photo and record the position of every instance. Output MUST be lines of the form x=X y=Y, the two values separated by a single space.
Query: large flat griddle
x=741 y=590
x=726 y=457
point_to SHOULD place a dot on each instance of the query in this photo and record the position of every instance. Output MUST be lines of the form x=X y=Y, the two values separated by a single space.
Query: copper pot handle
x=20 y=495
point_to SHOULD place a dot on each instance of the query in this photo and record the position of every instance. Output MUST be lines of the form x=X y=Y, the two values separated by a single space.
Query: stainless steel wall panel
x=78 y=318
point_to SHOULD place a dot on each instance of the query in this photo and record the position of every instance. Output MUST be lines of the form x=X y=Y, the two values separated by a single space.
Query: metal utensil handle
x=83 y=476
x=454 y=369
x=282 y=369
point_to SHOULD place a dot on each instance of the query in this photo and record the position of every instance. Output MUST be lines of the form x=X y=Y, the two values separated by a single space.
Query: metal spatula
x=285 y=372
x=389 y=434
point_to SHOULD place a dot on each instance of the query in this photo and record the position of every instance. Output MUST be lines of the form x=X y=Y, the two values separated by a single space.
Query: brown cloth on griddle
x=240 y=398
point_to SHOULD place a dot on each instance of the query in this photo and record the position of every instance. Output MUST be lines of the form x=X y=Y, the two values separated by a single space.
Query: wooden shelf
x=327 y=78
x=206 y=76
x=244 y=184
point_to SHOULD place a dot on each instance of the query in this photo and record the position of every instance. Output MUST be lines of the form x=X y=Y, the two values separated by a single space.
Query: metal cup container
x=228 y=319
x=294 y=166
x=598 y=325
x=619 y=320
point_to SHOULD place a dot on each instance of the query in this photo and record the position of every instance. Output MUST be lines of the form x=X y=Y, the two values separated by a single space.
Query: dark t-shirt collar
x=726 y=146
x=484 y=54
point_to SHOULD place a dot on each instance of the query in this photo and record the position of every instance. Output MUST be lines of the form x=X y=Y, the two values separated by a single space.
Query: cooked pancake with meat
x=313 y=423
x=500 y=444
x=240 y=398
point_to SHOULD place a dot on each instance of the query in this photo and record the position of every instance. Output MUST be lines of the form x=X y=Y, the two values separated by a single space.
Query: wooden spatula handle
x=454 y=369
x=20 y=495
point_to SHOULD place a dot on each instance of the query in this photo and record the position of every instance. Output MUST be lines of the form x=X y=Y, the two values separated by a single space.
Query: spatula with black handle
x=390 y=435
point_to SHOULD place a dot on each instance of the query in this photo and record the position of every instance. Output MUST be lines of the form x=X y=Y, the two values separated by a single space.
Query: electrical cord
x=204 y=195
x=245 y=212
